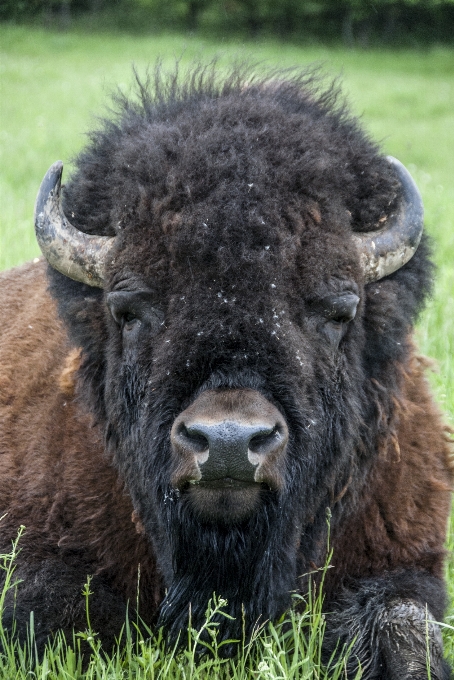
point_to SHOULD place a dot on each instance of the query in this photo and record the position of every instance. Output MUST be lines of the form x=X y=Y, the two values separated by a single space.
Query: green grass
x=52 y=85
x=287 y=650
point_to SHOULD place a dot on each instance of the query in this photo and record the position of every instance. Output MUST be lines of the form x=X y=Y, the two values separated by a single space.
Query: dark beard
x=252 y=566
x=255 y=565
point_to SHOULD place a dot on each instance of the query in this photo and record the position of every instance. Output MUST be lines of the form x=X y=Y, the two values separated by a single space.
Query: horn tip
x=50 y=186
x=56 y=168
x=392 y=160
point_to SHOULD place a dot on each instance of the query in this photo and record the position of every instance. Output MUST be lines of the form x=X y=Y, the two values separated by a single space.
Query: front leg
x=390 y=621
x=52 y=590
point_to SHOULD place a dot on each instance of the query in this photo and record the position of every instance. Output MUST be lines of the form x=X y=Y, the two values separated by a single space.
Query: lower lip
x=224 y=483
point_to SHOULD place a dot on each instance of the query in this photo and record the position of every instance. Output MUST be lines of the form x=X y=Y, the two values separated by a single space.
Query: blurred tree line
x=360 y=22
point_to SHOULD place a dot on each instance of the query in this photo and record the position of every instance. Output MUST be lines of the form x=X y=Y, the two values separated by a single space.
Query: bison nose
x=229 y=438
x=229 y=449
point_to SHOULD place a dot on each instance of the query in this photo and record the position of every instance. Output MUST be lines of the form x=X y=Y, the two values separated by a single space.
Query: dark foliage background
x=353 y=22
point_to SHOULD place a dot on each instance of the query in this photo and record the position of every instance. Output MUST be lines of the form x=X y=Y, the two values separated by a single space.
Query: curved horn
x=385 y=251
x=77 y=255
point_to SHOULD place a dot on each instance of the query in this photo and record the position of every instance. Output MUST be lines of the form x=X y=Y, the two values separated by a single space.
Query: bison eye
x=338 y=310
x=127 y=320
x=131 y=308
x=122 y=308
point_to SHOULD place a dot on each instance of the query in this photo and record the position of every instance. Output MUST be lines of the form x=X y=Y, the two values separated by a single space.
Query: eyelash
x=341 y=319
x=127 y=318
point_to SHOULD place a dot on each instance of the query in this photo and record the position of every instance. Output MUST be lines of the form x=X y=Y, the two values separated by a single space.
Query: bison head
x=239 y=273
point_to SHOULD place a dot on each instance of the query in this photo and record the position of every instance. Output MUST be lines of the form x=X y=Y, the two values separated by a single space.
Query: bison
x=217 y=352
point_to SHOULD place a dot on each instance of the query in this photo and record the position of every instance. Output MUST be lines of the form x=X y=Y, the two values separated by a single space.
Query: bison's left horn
x=79 y=256
x=385 y=251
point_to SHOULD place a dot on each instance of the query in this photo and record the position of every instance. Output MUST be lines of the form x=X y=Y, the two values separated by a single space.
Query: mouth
x=224 y=483
x=225 y=500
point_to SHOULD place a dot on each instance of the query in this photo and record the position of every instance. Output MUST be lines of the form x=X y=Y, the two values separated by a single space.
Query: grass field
x=53 y=84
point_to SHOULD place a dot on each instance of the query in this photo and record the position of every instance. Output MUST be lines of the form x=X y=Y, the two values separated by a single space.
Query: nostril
x=264 y=442
x=193 y=439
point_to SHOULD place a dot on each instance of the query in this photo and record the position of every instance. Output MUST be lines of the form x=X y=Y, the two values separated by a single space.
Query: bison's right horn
x=79 y=256
x=385 y=251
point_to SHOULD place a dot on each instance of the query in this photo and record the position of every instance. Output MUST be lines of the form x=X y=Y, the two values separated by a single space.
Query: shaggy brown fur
x=404 y=506
x=233 y=268
x=56 y=480
x=54 y=476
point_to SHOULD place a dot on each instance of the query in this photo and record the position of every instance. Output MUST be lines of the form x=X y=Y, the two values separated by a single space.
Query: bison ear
x=79 y=256
x=384 y=251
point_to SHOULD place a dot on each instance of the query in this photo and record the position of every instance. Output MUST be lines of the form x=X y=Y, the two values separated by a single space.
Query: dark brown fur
x=404 y=506
x=56 y=480
x=233 y=210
